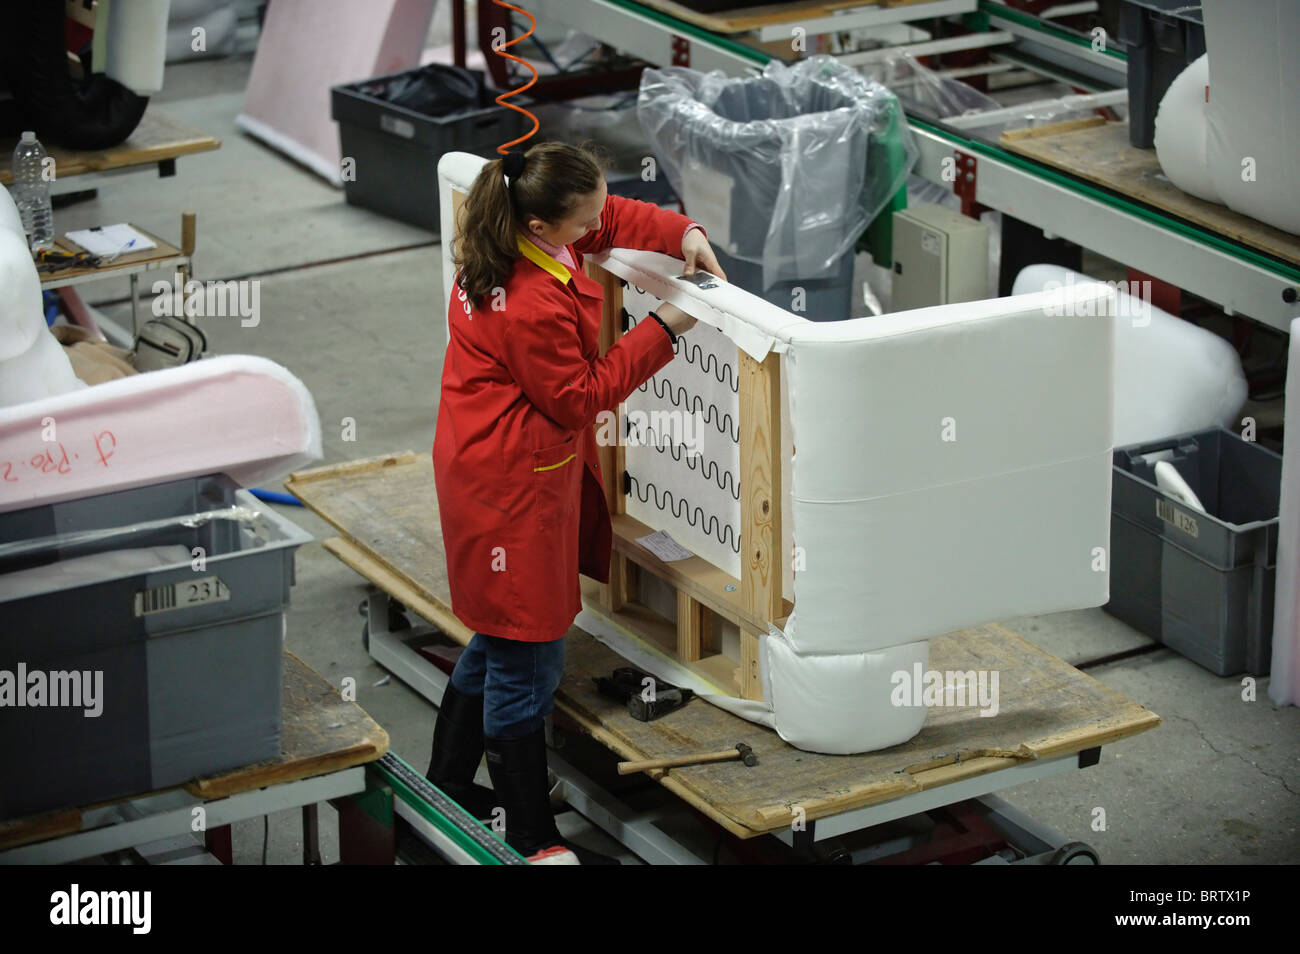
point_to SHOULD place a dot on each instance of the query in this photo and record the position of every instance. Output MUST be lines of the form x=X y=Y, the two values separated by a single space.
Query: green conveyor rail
x=1106 y=197
x=979 y=21
x=690 y=29
x=463 y=829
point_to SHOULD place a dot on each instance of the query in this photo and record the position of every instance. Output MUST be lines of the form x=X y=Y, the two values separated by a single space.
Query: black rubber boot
x=523 y=788
x=457 y=750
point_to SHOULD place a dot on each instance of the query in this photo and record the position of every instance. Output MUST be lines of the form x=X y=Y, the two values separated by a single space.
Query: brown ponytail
x=556 y=175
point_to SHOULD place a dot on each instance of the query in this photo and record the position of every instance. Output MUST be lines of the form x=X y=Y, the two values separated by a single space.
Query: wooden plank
x=457 y=200
x=348 y=468
x=163 y=252
x=751 y=680
x=322 y=733
x=695 y=636
x=710 y=585
x=760 y=511
x=425 y=605
x=611 y=454
x=1047 y=709
x=158 y=137
x=742 y=19
x=1053 y=129
x=1101 y=153
x=760 y=482
x=24 y=831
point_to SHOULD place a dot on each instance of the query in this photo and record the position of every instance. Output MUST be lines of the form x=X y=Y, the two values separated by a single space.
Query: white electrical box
x=940 y=257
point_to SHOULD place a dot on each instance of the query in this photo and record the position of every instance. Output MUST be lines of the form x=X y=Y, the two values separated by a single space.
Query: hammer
x=740 y=751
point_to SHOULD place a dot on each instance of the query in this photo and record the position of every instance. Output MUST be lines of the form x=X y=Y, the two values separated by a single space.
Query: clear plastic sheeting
x=239 y=514
x=931 y=95
x=785 y=169
x=925 y=92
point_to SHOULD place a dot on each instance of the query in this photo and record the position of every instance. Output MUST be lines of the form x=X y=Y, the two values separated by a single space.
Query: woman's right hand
x=678 y=321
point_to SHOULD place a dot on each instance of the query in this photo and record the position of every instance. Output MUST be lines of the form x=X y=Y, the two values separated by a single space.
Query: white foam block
x=1182 y=133
x=1254 y=109
x=42 y=371
x=20 y=296
x=239 y=415
x=841 y=704
x=32 y=364
x=952 y=468
x=137 y=42
x=1284 y=684
x=1171 y=377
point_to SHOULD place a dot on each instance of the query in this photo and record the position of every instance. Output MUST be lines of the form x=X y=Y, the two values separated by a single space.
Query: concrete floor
x=353 y=304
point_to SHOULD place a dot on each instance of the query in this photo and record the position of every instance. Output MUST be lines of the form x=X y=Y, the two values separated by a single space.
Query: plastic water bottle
x=32 y=191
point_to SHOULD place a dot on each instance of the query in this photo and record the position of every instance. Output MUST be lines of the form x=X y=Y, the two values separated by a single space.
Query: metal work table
x=386 y=513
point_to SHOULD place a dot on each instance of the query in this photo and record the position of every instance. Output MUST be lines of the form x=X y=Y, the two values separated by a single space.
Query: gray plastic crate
x=1161 y=37
x=188 y=687
x=396 y=149
x=1201 y=583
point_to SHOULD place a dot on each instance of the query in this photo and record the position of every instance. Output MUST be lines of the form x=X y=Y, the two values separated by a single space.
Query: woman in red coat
x=519 y=485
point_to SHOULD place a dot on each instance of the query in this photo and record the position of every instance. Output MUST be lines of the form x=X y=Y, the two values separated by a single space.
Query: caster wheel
x=1075 y=853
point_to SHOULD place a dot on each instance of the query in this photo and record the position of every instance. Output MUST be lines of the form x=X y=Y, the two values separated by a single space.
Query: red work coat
x=514 y=455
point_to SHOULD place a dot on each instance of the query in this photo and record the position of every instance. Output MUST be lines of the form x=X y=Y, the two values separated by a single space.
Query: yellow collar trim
x=542 y=260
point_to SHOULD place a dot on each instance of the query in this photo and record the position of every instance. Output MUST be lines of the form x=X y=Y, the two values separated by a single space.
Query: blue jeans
x=517 y=681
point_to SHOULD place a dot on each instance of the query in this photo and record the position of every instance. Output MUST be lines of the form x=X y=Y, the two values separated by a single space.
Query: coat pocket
x=557 y=484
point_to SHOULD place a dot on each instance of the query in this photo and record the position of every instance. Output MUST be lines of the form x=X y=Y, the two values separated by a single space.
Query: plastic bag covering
x=434 y=90
x=782 y=169
x=925 y=92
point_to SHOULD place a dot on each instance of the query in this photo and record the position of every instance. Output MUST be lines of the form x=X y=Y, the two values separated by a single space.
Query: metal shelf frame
x=1238 y=279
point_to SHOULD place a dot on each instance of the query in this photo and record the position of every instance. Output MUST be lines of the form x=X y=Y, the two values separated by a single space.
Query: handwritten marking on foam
x=56 y=459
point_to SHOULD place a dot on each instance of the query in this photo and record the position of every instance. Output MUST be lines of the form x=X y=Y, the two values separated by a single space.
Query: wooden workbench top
x=157 y=138
x=742 y=18
x=162 y=252
x=1100 y=152
x=387 y=512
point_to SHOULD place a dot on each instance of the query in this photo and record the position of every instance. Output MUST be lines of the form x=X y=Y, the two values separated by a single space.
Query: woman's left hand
x=698 y=253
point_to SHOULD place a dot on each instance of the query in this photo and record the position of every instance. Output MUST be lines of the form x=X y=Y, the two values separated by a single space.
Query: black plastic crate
x=1161 y=37
x=1201 y=583
x=395 y=149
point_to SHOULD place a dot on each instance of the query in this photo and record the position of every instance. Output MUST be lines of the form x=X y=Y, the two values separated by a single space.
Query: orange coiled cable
x=501 y=100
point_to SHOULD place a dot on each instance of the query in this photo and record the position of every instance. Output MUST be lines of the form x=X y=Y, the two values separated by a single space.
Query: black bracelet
x=664 y=325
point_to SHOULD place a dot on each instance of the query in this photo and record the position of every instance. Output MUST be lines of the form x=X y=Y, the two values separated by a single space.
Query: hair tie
x=512 y=164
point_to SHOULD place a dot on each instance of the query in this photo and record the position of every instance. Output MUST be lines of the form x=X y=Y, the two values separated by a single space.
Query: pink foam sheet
x=306 y=47
x=240 y=415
